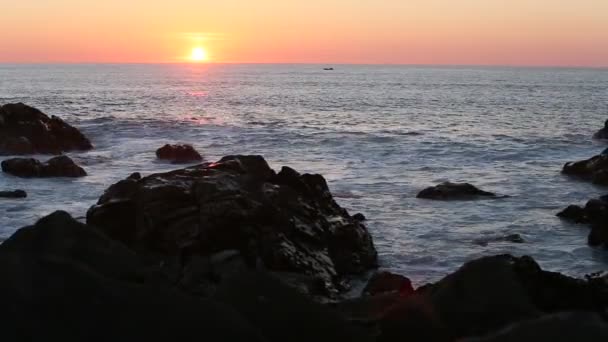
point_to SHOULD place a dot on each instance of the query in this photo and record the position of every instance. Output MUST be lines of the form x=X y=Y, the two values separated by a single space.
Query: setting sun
x=198 y=55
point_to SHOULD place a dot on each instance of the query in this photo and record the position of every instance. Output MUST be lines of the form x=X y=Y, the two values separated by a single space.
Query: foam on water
x=379 y=134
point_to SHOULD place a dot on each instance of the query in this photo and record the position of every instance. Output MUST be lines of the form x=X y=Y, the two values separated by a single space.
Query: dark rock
x=383 y=282
x=61 y=166
x=595 y=213
x=178 y=153
x=283 y=314
x=64 y=281
x=26 y=130
x=412 y=319
x=492 y=292
x=13 y=194
x=561 y=327
x=514 y=238
x=359 y=217
x=602 y=133
x=287 y=222
x=594 y=169
x=453 y=191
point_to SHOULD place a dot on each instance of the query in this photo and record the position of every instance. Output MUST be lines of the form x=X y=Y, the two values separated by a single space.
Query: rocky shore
x=235 y=251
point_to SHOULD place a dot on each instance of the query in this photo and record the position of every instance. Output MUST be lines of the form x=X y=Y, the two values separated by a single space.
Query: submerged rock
x=26 y=130
x=513 y=238
x=594 y=169
x=287 y=222
x=602 y=133
x=595 y=213
x=454 y=191
x=178 y=153
x=13 y=194
x=61 y=166
x=383 y=282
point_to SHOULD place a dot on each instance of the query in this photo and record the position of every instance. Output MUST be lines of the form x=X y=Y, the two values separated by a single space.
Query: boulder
x=286 y=222
x=490 y=293
x=64 y=281
x=61 y=166
x=602 y=133
x=454 y=191
x=595 y=214
x=383 y=282
x=13 y=194
x=594 y=169
x=26 y=130
x=560 y=327
x=178 y=154
x=359 y=217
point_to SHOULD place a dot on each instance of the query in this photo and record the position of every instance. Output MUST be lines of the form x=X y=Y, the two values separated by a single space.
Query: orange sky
x=498 y=32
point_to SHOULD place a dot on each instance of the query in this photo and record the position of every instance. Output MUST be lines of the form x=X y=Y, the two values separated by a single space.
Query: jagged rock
x=61 y=166
x=383 y=282
x=287 y=222
x=452 y=191
x=13 y=194
x=359 y=217
x=26 y=130
x=178 y=153
x=594 y=169
x=561 y=327
x=602 y=133
x=595 y=213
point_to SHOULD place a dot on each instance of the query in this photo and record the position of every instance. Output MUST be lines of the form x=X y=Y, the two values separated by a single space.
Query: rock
x=359 y=217
x=595 y=213
x=286 y=222
x=13 y=194
x=602 y=133
x=514 y=238
x=26 y=130
x=383 y=282
x=490 y=293
x=452 y=191
x=178 y=153
x=561 y=327
x=594 y=169
x=61 y=166
x=60 y=270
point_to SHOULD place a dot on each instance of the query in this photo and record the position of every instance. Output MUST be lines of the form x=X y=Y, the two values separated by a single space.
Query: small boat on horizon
x=328 y=69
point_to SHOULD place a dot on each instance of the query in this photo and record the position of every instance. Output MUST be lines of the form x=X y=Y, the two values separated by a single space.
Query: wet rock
x=26 y=130
x=454 y=191
x=60 y=270
x=13 y=194
x=178 y=153
x=383 y=282
x=286 y=222
x=602 y=133
x=561 y=327
x=514 y=238
x=595 y=214
x=61 y=166
x=359 y=217
x=594 y=169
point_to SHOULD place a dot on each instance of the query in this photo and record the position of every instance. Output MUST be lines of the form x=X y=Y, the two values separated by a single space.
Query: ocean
x=379 y=135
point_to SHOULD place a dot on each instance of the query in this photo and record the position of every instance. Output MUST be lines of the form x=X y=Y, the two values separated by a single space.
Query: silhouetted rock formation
x=13 y=194
x=602 y=133
x=594 y=169
x=61 y=166
x=178 y=154
x=383 y=282
x=454 y=191
x=595 y=213
x=26 y=130
x=287 y=222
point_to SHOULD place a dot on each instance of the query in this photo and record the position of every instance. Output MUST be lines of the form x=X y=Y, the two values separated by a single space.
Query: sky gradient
x=478 y=32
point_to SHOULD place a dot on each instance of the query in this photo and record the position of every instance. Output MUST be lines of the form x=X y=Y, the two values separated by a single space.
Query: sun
x=199 y=55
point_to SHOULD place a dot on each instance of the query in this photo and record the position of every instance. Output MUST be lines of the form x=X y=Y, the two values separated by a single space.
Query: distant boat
x=328 y=69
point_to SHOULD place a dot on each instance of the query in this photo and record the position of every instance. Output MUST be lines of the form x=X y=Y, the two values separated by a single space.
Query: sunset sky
x=495 y=32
